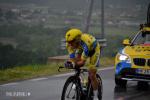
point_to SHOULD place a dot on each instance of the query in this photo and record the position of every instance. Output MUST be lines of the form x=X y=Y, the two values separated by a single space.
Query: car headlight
x=124 y=57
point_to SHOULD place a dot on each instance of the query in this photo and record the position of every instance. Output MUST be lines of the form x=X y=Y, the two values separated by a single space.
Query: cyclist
x=83 y=49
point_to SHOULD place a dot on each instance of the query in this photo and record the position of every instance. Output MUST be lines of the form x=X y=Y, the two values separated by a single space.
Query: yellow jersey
x=87 y=44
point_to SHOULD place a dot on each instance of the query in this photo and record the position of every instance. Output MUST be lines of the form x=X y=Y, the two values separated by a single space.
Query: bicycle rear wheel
x=71 y=89
x=90 y=94
x=100 y=87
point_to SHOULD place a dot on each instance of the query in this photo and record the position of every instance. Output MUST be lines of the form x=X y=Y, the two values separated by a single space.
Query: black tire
x=141 y=85
x=120 y=82
x=71 y=80
x=100 y=87
x=90 y=92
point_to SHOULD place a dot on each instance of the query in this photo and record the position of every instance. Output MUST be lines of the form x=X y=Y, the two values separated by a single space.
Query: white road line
x=9 y=84
x=15 y=83
x=67 y=74
x=108 y=68
x=38 y=79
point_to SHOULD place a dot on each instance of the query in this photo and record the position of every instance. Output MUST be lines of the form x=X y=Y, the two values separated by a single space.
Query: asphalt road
x=50 y=88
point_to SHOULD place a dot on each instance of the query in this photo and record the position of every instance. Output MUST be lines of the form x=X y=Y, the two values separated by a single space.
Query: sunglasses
x=71 y=42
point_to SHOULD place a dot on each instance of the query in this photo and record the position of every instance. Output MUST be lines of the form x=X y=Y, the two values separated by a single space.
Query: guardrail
x=102 y=43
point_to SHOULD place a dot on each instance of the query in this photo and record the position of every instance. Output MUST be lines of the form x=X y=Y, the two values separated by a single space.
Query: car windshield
x=142 y=38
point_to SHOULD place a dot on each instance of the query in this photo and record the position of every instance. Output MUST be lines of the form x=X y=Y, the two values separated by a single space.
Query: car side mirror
x=126 y=42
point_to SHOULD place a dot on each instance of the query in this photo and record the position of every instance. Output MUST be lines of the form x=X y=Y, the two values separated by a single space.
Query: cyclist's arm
x=80 y=63
x=79 y=60
x=82 y=58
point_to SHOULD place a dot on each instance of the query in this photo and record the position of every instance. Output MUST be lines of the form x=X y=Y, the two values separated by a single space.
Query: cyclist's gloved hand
x=69 y=64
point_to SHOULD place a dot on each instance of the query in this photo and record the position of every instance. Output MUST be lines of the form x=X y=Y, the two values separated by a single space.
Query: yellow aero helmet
x=72 y=34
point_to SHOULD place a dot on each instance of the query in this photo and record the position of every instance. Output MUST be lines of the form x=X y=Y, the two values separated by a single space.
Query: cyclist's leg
x=92 y=75
x=92 y=68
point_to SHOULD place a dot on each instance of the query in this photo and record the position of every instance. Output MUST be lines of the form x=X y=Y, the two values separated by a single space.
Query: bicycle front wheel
x=71 y=90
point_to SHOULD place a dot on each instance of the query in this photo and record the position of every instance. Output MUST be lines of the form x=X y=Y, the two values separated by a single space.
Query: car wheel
x=141 y=85
x=120 y=82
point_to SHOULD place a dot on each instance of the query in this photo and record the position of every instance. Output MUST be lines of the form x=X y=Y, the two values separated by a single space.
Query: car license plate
x=143 y=71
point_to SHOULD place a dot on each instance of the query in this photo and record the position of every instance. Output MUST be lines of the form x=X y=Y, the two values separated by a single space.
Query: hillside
x=76 y=4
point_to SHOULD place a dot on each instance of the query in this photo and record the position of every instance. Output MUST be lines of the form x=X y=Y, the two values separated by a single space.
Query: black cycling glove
x=69 y=64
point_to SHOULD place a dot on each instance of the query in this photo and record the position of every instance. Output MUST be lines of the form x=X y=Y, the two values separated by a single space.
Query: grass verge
x=33 y=71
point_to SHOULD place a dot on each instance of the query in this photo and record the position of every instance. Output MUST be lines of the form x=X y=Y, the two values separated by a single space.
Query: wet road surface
x=50 y=88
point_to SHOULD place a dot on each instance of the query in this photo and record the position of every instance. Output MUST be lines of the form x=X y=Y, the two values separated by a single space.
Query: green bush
x=10 y=57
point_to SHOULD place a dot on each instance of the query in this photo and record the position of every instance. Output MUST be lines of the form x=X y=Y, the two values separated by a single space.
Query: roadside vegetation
x=39 y=70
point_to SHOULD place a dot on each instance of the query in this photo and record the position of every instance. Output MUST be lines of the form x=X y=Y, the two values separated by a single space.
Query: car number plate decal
x=143 y=71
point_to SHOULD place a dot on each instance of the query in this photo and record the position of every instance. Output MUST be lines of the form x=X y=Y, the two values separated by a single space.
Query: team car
x=133 y=61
